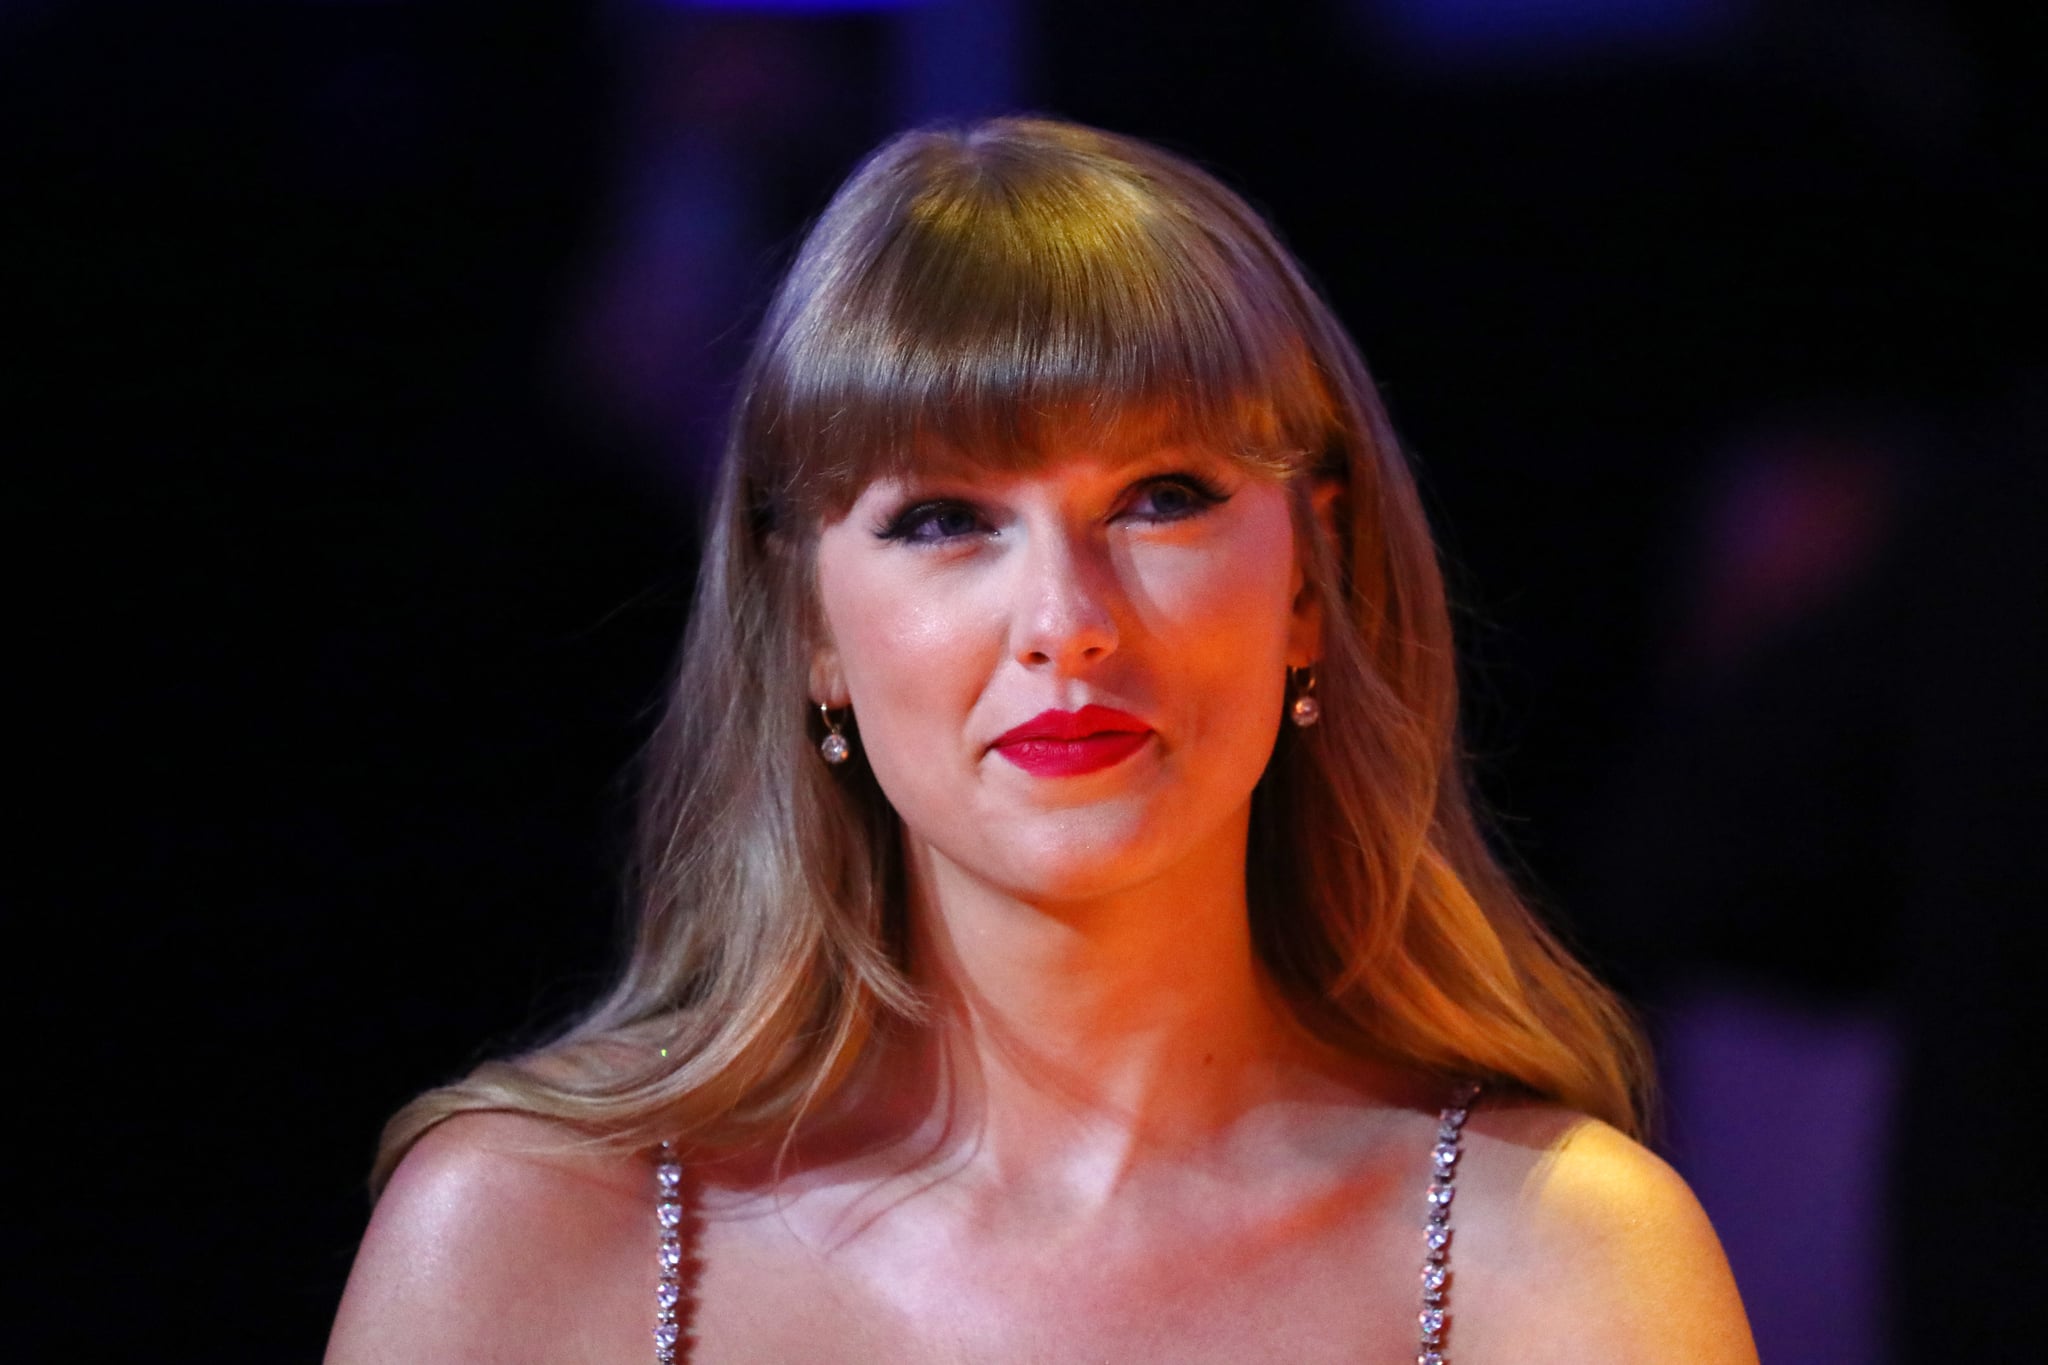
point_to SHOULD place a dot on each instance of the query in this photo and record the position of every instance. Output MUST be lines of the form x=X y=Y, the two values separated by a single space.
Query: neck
x=1074 y=1041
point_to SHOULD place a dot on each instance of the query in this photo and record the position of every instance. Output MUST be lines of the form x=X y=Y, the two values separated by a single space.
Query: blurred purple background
x=366 y=363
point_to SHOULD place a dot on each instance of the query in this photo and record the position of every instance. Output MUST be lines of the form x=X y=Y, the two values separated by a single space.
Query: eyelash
x=904 y=525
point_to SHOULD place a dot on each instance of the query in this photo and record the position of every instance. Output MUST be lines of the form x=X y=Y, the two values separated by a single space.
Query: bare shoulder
x=496 y=1241
x=1579 y=1244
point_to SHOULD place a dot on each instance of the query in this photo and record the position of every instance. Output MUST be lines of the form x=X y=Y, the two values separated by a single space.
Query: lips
x=1070 y=743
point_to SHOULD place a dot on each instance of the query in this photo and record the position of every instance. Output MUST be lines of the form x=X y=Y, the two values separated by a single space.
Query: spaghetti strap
x=675 y=1299
x=675 y=1289
x=1436 y=1233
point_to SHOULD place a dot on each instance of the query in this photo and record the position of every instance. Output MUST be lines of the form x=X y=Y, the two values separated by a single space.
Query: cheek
x=1225 y=630
x=1226 y=604
x=890 y=641
x=906 y=658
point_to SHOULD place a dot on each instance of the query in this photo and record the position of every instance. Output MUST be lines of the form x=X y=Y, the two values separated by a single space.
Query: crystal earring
x=1304 y=710
x=836 y=747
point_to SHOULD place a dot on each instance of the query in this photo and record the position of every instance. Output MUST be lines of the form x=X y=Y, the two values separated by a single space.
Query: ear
x=828 y=681
x=1305 y=631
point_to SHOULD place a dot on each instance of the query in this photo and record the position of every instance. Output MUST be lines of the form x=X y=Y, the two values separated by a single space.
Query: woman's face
x=974 y=616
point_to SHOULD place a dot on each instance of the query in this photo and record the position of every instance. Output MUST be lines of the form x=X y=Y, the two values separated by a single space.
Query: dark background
x=363 y=363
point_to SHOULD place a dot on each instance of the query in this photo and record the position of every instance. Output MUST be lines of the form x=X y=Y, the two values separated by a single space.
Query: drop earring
x=836 y=747
x=1304 y=710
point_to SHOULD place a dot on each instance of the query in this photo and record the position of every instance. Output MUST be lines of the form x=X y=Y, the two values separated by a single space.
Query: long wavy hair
x=1004 y=290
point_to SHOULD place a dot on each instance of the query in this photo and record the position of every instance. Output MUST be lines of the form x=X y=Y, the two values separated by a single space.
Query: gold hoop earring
x=1304 y=710
x=836 y=748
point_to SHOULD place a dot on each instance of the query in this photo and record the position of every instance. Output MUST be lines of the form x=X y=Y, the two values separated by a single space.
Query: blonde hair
x=998 y=290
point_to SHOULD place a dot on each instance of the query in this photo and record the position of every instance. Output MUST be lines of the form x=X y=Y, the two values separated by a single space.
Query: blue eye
x=932 y=523
x=1160 y=500
x=1175 y=497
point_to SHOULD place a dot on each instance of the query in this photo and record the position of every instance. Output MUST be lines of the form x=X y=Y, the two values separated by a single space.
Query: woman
x=1012 y=982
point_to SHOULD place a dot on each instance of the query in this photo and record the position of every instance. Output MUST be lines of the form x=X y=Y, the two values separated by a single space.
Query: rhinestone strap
x=1436 y=1238
x=668 y=1291
x=1436 y=1234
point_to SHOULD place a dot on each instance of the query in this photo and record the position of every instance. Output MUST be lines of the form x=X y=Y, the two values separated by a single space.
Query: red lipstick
x=1070 y=743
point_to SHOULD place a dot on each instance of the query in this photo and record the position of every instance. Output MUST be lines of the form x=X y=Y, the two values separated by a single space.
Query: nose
x=1065 y=616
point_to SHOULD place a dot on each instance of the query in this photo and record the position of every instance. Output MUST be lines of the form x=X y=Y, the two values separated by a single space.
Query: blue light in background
x=795 y=6
x=1518 y=32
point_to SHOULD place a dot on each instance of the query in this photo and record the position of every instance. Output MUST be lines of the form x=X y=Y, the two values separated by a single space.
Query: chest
x=1346 y=1290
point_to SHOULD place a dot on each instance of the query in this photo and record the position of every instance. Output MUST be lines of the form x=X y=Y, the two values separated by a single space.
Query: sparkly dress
x=671 y=1331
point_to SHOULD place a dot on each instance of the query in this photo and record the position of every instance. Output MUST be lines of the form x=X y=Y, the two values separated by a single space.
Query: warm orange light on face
x=1160 y=586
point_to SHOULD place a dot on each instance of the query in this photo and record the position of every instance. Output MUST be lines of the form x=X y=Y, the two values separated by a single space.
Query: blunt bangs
x=1020 y=291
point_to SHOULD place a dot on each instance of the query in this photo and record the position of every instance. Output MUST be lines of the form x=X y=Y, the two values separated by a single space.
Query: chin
x=1082 y=856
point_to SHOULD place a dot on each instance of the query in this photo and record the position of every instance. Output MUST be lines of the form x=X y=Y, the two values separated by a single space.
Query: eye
x=1173 y=497
x=932 y=523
